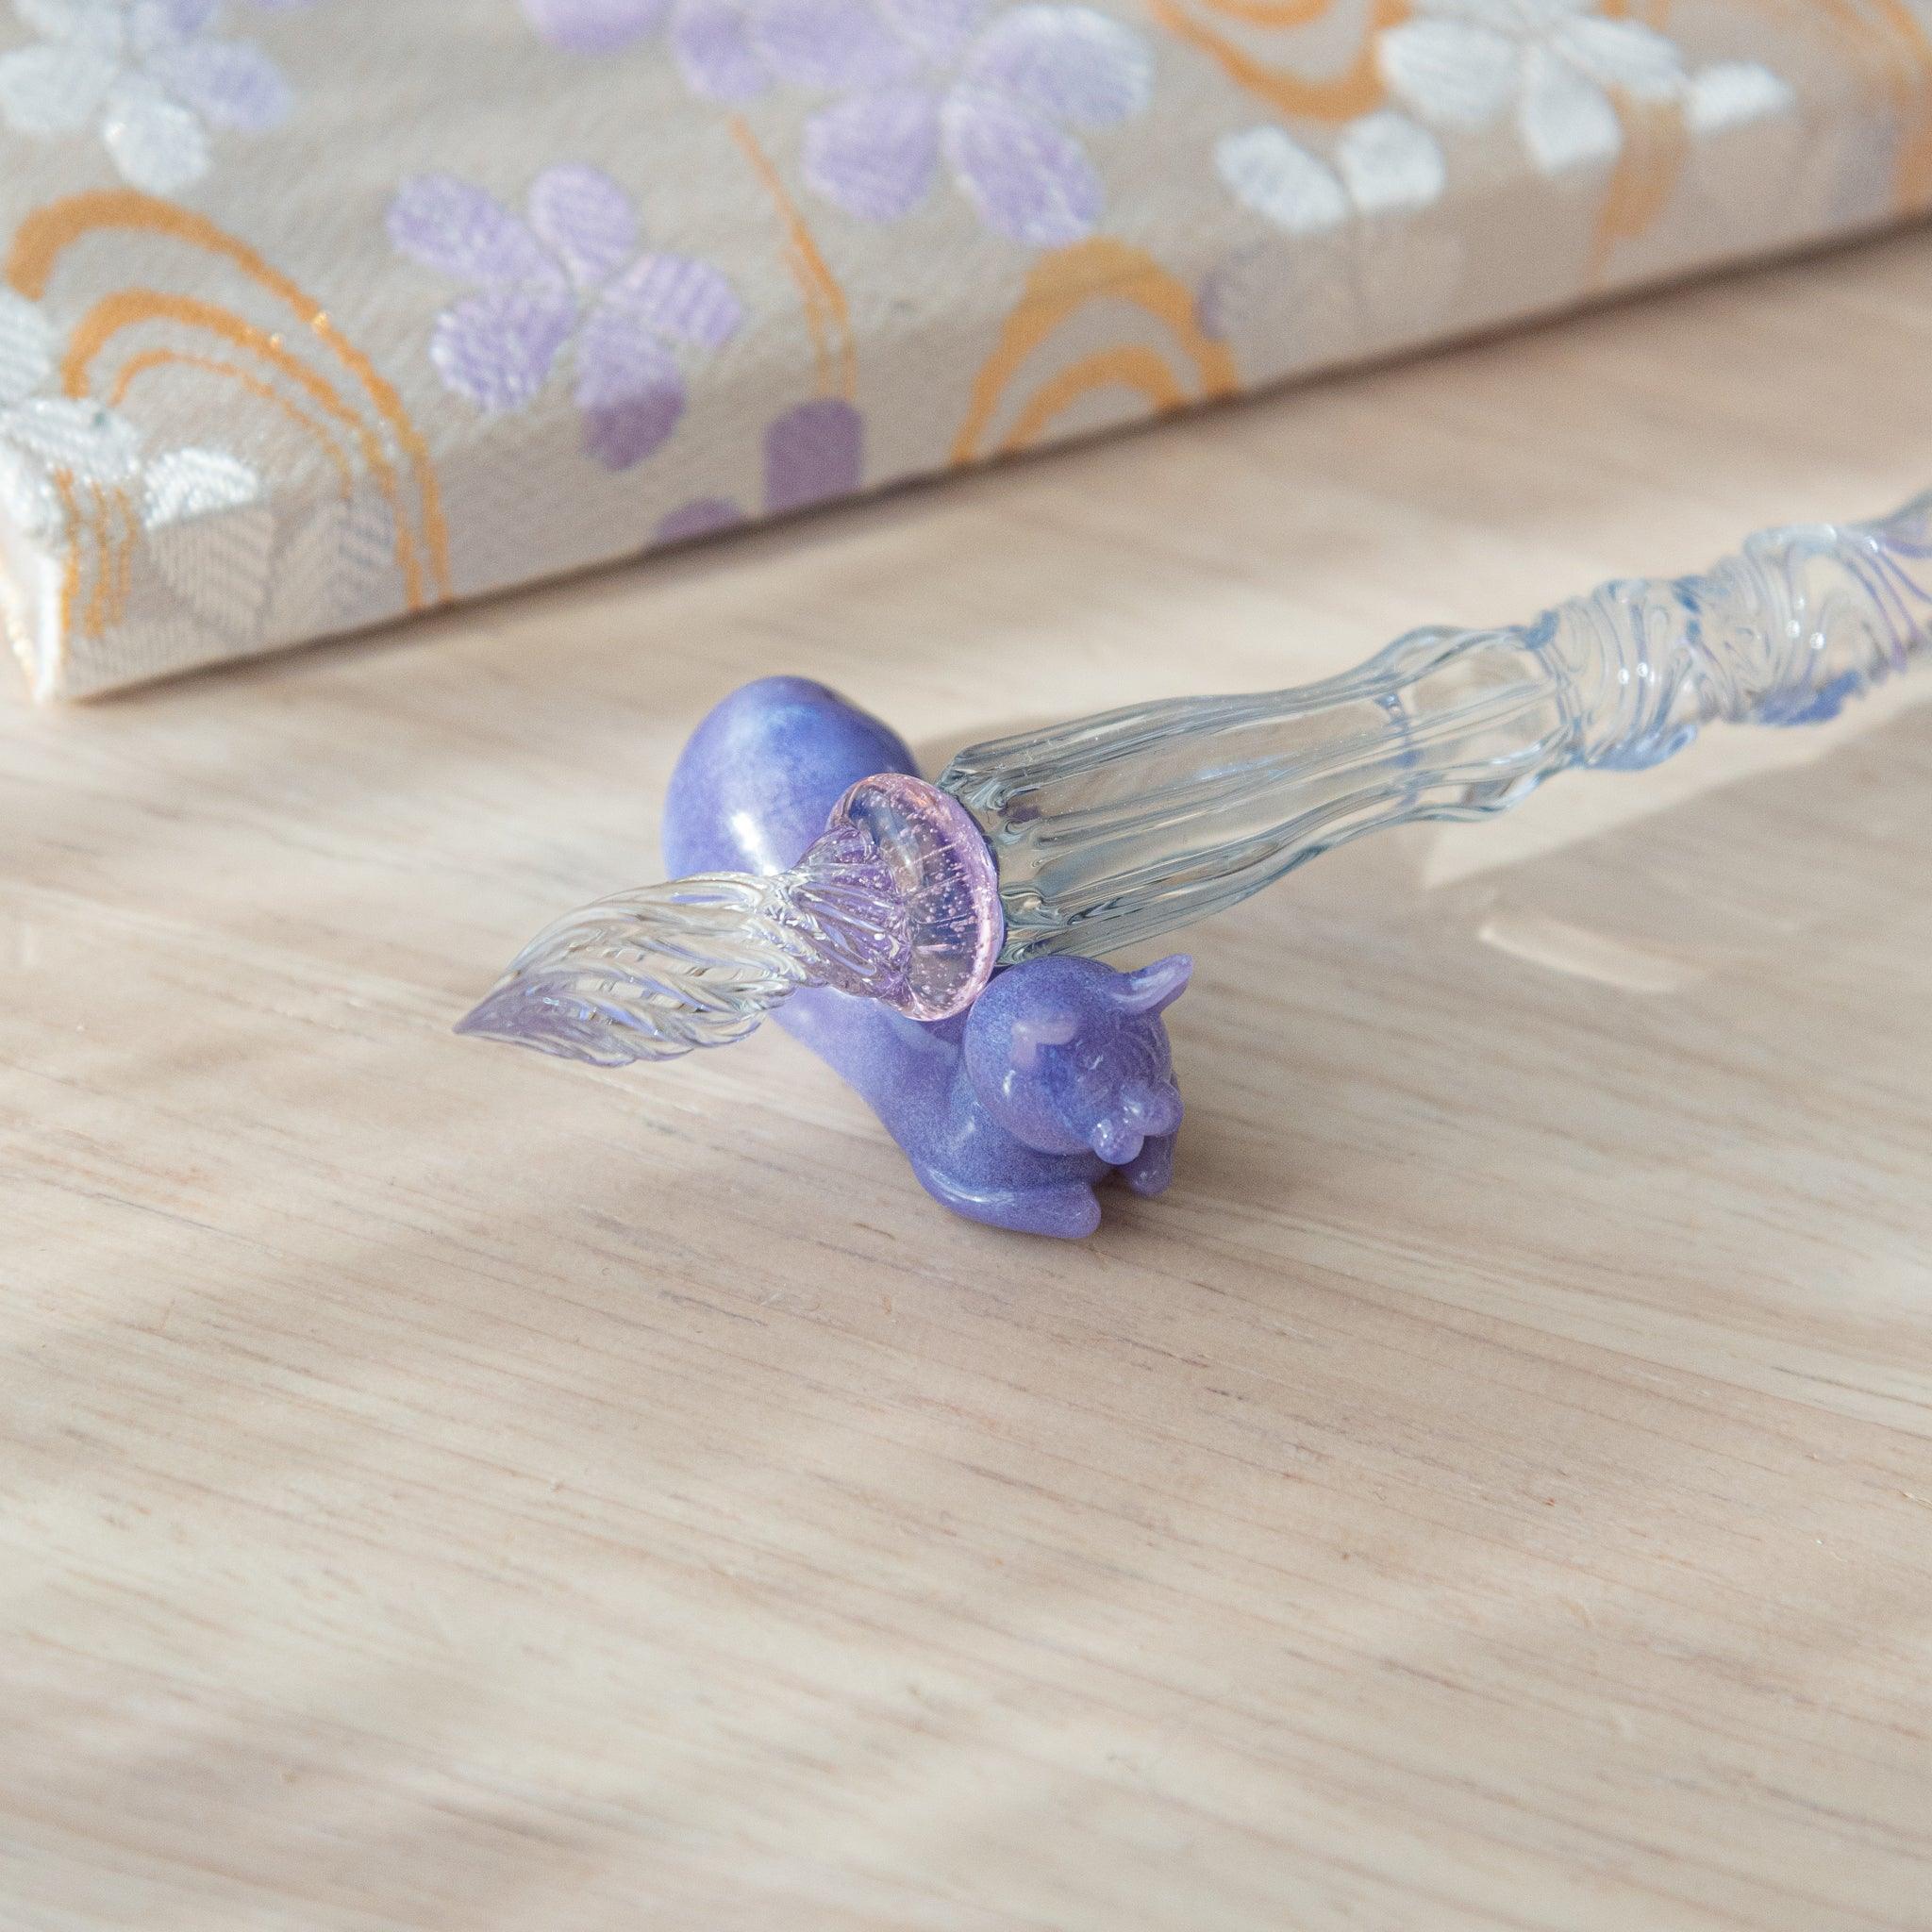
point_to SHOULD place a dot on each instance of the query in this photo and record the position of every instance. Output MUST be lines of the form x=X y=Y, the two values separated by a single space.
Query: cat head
x=1069 y=1056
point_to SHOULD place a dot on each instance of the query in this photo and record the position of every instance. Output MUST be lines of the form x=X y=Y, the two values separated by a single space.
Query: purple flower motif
x=594 y=26
x=565 y=274
x=996 y=93
x=812 y=455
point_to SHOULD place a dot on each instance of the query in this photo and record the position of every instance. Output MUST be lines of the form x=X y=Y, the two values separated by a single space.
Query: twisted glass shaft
x=1116 y=828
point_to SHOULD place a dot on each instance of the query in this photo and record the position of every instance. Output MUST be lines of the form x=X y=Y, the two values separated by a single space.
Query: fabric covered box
x=317 y=313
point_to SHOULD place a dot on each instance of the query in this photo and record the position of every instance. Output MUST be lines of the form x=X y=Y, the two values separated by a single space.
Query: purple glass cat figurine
x=1010 y=1112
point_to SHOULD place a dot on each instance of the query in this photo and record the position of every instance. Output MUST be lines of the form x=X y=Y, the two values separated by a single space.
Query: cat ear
x=1153 y=989
x=1035 y=1030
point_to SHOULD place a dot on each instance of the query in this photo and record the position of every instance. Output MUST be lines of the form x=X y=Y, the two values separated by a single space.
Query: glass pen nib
x=898 y=901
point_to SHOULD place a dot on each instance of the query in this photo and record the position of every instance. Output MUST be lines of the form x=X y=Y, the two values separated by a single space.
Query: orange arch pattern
x=1359 y=89
x=1060 y=287
x=339 y=382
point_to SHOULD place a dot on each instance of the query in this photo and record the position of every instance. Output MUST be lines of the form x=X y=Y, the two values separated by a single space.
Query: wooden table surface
x=445 y=1488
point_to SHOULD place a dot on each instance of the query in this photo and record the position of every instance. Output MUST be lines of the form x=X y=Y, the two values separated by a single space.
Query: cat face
x=1069 y=1056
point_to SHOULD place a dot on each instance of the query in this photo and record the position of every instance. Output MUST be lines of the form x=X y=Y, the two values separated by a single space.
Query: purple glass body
x=1012 y=1112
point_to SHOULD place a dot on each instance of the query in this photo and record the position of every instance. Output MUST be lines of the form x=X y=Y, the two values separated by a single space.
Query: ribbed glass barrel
x=1121 y=827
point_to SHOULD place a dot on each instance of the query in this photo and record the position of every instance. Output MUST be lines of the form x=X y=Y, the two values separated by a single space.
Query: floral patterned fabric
x=317 y=313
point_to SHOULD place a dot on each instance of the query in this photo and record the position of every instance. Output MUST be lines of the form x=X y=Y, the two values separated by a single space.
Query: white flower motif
x=211 y=534
x=1734 y=95
x=48 y=443
x=1384 y=165
x=203 y=514
x=1751 y=177
x=1464 y=64
x=1361 y=272
x=150 y=75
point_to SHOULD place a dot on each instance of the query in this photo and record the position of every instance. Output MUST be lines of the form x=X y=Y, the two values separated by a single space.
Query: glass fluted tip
x=898 y=901
x=648 y=974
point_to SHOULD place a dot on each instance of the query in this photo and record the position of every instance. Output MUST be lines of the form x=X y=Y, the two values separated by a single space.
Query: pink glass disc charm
x=941 y=875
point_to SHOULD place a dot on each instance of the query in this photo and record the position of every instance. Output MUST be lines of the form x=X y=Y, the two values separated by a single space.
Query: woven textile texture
x=319 y=313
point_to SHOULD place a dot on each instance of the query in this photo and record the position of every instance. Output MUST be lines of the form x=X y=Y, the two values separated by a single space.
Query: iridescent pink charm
x=940 y=877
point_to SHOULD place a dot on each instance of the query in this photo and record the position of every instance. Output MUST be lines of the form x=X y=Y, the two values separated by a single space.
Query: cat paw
x=1069 y=1213
x=1150 y=1170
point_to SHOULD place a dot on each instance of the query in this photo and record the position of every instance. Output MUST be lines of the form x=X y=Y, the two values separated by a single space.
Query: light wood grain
x=443 y=1489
